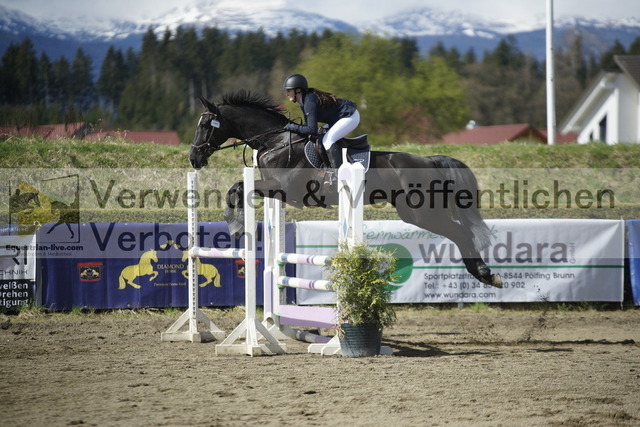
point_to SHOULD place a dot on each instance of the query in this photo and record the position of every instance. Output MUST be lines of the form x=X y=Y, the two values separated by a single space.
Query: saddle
x=358 y=150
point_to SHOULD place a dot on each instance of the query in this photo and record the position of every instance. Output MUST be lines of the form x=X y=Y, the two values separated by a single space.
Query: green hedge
x=316 y=214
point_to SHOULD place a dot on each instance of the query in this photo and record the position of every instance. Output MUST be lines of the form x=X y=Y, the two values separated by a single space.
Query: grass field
x=577 y=168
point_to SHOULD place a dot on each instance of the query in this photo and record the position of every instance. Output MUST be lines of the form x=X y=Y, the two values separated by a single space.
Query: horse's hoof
x=496 y=281
x=236 y=228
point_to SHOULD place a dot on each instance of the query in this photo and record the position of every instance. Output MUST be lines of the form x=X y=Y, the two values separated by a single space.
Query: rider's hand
x=291 y=127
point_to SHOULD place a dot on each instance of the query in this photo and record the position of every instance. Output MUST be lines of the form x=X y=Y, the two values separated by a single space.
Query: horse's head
x=211 y=133
x=150 y=255
x=249 y=117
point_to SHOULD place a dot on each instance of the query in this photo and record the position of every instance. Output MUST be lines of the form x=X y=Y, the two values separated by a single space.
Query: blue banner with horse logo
x=122 y=265
x=633 y=232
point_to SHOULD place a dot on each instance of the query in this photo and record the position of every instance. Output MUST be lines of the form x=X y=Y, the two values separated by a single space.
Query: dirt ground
x=450 y=367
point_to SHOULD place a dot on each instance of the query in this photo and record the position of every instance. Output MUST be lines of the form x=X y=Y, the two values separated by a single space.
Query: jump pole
x=251 y=329
x=193 y=313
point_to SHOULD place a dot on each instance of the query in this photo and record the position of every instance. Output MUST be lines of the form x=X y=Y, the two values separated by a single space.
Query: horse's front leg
x=234 y=211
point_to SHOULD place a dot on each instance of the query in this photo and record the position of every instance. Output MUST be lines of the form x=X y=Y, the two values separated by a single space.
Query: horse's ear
x=208 y=105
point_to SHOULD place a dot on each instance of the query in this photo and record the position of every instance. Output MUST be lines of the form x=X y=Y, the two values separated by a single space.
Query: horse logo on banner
x=143 y=268
x=209 y=271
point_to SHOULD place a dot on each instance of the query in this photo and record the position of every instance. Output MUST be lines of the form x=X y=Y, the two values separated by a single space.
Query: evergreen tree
x=113 y=77
x=607 y=62
x=61 y=83
x=634 y=48
x=83 y=88
x=45 y=74
x=213 y=44
x=187 y=63
x=505 y=88
x=19 y=73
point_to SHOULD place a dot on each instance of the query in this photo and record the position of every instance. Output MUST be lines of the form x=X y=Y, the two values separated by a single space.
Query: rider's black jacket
x=314 y=113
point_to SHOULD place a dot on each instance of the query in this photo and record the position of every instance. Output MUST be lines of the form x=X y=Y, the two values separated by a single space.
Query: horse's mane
x=246 y=98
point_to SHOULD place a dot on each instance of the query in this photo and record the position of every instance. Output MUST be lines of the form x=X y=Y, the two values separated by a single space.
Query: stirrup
x=331 y=177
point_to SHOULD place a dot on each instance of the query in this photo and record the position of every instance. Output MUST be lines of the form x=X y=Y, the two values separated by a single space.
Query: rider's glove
x=291 y=127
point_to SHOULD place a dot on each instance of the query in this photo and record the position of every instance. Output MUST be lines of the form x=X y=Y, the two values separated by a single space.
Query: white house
x=609 y=110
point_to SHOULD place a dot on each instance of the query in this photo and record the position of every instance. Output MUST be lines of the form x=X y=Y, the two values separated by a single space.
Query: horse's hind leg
x=439 y=223
x=470 y=256
x=463 y=238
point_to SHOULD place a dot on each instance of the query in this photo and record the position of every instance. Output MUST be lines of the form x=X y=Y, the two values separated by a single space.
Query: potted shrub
x=360 y=276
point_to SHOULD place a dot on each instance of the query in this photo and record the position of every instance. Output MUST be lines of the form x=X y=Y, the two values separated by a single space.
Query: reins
x=253 y=142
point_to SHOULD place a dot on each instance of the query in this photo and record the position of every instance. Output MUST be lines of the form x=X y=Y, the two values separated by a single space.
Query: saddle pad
x=361 y=156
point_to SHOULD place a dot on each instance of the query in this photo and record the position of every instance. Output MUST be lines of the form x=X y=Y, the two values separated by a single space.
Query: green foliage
x=438 y=89
x=360 y=276
x=479 y=306
x=485 y=161
x=401 y=97
x=18 y=73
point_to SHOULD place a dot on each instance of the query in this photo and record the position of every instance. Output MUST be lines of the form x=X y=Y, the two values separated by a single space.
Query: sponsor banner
x=17 y=271
x=633 y=231
x=538 y=260
x=122 y=265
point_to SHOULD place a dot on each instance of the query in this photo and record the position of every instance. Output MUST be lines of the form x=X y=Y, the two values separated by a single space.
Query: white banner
x=17 y=270
x=538 y=260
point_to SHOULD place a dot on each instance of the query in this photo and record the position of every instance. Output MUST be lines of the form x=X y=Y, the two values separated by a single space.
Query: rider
x=340 y=115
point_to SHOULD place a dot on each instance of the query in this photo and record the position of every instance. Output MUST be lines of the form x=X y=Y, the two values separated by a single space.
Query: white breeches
x=340 y=129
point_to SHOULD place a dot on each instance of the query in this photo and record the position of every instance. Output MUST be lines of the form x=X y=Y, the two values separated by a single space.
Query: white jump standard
x=193 y=313
x=250 y=329
x=281 y=317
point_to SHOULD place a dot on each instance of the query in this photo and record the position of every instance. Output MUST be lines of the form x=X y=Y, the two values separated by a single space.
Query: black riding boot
x=334 y=153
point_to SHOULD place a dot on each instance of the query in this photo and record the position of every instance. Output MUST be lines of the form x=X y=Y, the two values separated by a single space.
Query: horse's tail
x=464 y=180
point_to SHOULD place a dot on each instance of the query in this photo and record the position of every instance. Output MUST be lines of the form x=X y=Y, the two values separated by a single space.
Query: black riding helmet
x=295 y=81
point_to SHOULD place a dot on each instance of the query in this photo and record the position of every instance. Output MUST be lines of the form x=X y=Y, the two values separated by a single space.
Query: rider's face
x=291 y=94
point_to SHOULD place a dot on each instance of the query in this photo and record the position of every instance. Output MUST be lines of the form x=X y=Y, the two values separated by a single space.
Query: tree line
x=403 y=96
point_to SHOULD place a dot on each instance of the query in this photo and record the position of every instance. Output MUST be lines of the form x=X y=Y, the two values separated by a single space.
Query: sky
x=351 y=11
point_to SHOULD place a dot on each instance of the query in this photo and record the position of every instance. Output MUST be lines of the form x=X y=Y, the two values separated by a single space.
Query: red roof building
x=47 y=132
x=155 y=137
x=489 y=135
x=80 y=131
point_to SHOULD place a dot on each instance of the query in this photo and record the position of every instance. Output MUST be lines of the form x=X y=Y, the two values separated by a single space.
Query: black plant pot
x=360 y=340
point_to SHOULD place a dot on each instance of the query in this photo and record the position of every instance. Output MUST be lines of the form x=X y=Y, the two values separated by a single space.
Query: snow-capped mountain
x=428 y=26
x=208 y=13
x=464 y=31
x=432 y=22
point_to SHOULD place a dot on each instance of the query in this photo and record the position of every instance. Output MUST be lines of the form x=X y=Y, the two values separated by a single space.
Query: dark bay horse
x=436 y=193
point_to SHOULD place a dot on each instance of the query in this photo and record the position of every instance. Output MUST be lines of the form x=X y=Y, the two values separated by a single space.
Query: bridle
x=213 y=125
x=253 y=142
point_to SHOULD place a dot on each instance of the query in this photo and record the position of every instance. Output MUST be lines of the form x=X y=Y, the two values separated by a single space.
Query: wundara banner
x=538 y=260
x=633 y=231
